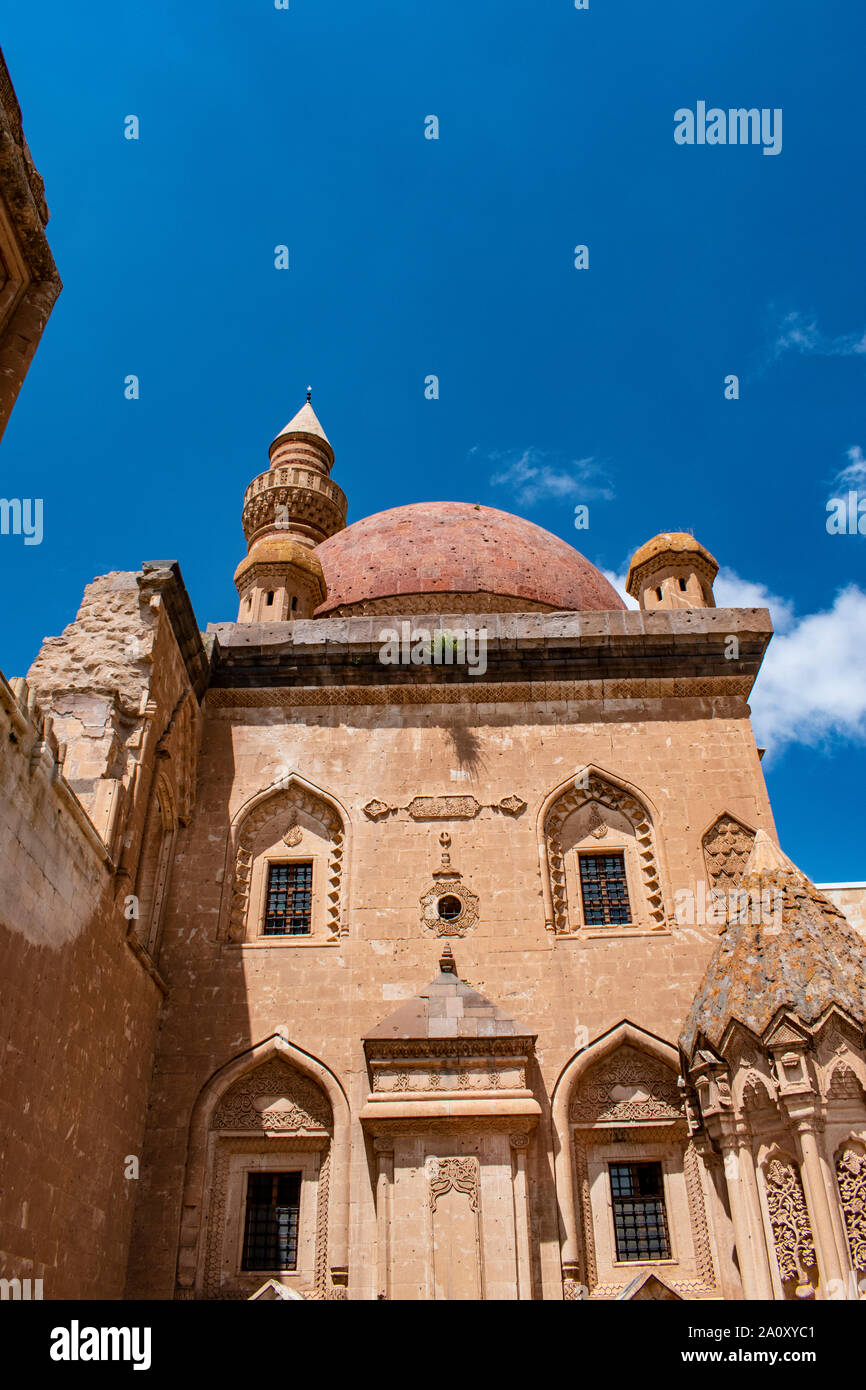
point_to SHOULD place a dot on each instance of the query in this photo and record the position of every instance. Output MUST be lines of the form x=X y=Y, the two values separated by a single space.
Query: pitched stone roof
x=804 y=958
x=447 y=1008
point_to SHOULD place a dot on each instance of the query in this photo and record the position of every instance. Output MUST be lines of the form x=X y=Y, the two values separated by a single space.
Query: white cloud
x=855 y=470
x=811 y=687
x=797 y=333
x=531 y=477
x=730 y=591
x=618 y=582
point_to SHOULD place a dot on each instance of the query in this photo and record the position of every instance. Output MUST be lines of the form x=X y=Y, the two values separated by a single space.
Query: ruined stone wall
x=29 y=282
x=117 y=723
x=691 y=759
x=78 y=1016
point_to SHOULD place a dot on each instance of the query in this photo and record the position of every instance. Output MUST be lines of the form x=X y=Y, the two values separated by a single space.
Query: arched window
x=155 y=864
x=284 y=877
x=601 y=870
x=628 y=1176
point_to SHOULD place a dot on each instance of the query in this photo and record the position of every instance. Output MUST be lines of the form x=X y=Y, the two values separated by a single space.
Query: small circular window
x=449 y=907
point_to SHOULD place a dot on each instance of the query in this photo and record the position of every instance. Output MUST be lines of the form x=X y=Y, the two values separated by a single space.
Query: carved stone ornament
x=597 y=789
x=423 y=808
x=461 y=1174
x=293 y=833
x=628 y=1086
x=449 y=887
x=443 y=808
x=274 y=1098
x=789 y=1220
x=727 y=846
x=851 y=1176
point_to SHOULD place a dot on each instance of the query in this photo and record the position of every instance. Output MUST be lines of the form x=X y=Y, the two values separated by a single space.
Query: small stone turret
x=673 y=570
x=288 y=511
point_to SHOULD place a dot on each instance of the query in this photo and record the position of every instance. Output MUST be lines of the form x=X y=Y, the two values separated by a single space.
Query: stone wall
x=692 y=759
x=78 y=1016
x=107 y=722
x=850 y=898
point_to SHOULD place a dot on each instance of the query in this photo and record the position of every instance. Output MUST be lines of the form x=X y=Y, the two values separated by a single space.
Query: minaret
x=287 y=511
x=673 y=570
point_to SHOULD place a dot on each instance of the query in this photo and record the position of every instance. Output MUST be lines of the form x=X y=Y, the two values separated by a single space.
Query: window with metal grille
x=604 y=890
x=289 y=901
x=271 y=1224
x=639 y=1219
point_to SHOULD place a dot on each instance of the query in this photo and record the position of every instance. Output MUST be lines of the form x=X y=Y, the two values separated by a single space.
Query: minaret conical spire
x=304 y=426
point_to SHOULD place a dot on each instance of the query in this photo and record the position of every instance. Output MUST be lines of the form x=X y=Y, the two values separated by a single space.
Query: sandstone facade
x=456 y=1074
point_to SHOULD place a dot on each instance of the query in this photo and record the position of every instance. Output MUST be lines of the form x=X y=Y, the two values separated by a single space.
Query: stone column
x=818 y=1202
x=384 y=1149
x=519 y=1147
x=746 y=1215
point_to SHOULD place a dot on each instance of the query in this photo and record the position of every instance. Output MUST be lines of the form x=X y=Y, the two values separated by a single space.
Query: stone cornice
x=163 y=577
x=616 y=655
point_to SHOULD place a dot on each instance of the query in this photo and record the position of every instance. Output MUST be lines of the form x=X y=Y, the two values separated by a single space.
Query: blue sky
x=410 y=256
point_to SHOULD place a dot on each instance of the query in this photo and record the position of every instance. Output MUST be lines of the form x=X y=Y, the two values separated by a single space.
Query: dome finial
x=309 y=393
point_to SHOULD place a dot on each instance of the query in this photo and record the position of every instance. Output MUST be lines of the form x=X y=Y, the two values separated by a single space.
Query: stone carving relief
x=454 y=926
x=449 y=885
x=727 y=846
x=625 y=1087
x=844 y=1083
x=462 y=1174
x=274 y=1098
x=293 y=832
x=423 y=808
x=285 y=808
x=851 y=1176
x=789 y=1220
x=605 y=794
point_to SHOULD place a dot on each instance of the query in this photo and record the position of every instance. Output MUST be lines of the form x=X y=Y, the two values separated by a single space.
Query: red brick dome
x=480 y=558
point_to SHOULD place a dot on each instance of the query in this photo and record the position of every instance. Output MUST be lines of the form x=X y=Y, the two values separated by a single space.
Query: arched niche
x=618 y=1100
x=289 y=821
x=155 y=865
x=591 y=812
x=272 y=1107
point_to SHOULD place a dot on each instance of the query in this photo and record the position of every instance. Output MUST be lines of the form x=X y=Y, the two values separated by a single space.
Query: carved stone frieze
x=423 y=808
x=789 y=1220
x=851 y=1176
x=443 y=808
x=470 y=1078
x=488 y=692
